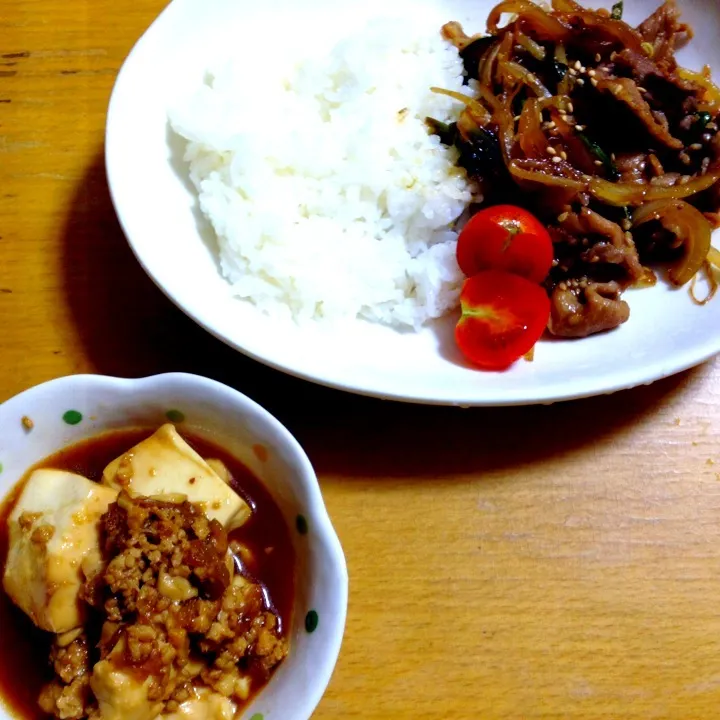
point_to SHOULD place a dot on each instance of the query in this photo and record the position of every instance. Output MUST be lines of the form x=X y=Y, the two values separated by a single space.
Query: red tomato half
x=505 y=237
x=503 y=316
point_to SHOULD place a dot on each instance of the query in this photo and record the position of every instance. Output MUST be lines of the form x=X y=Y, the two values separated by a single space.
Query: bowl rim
x=324 y=534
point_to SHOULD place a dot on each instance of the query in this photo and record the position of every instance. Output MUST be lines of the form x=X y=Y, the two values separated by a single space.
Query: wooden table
x=548 y=562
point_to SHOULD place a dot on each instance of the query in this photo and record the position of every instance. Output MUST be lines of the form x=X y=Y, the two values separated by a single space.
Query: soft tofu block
x=52 y=529
x=120 y=693
x=165 y=464
x=205 y=705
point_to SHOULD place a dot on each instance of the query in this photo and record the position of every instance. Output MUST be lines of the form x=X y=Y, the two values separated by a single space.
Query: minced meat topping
x=172 y=613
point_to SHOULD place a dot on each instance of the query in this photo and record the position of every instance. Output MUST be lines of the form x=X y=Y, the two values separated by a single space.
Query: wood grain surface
x=547 y=562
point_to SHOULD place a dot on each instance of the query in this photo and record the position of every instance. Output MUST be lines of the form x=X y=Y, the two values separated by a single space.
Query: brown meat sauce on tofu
x=156 y=611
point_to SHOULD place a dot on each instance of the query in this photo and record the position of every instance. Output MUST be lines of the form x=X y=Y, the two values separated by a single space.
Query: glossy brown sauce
x=24 y=649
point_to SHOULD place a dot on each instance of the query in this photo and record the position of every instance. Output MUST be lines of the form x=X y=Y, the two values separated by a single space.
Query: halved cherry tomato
x=505 y=237
x=503 y=316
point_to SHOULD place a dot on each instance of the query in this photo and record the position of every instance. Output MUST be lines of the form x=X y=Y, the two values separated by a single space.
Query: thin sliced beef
x=604 y=252
x=664 y=87
x=626 y=91
x=643 y=70
x=579 y=313
x=588 y=222
x=669 y=179
x=631 y=167
x=664 y=31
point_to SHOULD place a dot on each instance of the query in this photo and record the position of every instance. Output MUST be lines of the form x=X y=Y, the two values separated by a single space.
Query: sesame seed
x=598 y=162
x=684 y=158
x=563 y=155
x=573 y=71
x=580 y=82
x=598 y=57
x=580 y=128
x=613 y=55
x=711 y=126
x=570 y=107
x=612 y=157
x=556 y=159
x=578 y=65
x=563 y=217
x=696 y=146
x=641 y=89
x=594 y=82
x=516 y=118
x=562 y=286
x=551 y=124
x=551 y=150
x=591 y=73
x=684 y=180
x=583 y=69
x=626 y=224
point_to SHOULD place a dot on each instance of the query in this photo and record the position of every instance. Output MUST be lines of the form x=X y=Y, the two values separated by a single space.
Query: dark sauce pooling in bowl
x=24 y=649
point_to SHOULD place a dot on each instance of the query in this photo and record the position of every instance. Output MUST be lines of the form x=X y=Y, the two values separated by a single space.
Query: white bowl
x=666 y=332
x=211 y=410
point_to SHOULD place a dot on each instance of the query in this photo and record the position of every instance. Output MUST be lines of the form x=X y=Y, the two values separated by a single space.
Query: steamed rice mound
x=328 y=197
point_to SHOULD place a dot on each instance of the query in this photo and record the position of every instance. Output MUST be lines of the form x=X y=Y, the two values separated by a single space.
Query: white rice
x=328 y=197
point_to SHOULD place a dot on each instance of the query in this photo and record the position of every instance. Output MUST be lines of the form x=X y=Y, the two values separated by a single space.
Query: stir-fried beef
x=593 y=120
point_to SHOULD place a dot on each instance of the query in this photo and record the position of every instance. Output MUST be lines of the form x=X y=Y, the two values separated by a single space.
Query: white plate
x=666 y=332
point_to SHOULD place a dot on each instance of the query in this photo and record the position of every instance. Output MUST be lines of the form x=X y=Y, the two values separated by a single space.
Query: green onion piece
x=703 y=118
x=601 y=155
x=617 y=11
x=560 y=70
x=446 y=133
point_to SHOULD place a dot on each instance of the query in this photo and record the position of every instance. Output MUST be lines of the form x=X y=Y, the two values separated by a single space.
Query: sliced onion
x=535 y=49
x=688 y=225
x=545 y=173
x=712 y=92
x=518 y=72
x=713 y=257
x=478 y=111
x=487 y=65
x=566 y=6
x=556 y=101
x=576 y=149
x=616 y=30
x=486 y=95
x=712 y=281
x=544 y=25
x=530 y=135
x=624 y=194
x=503 y=116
